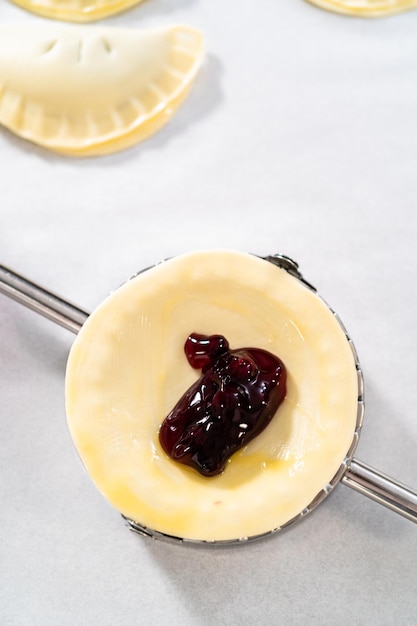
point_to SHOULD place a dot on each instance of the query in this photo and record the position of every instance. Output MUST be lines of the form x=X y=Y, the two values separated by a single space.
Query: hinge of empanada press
x=289 y=265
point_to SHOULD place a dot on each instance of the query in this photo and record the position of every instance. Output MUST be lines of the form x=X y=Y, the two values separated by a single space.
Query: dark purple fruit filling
x=234 y=399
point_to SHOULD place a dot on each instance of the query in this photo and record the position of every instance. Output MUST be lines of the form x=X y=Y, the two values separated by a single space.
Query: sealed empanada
x=366 y=8
x=76 y=10
x=86 y=91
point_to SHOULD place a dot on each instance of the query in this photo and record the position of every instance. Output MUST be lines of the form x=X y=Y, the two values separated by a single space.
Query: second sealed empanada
x=76 y=10
x=366 y=8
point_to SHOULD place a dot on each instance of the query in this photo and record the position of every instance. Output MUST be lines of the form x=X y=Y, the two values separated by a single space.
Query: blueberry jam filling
x=235 y=398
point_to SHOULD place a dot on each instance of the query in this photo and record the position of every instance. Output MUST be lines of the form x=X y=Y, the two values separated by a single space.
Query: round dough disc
x=127 y=369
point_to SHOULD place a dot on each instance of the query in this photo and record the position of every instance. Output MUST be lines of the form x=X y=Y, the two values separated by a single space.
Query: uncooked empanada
x=366 y=8
x=85 y=90
x=76 y=10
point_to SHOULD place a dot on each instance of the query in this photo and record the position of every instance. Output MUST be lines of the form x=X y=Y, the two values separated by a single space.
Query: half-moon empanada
x=88 y=91
x=366 y=8
x=76 y=10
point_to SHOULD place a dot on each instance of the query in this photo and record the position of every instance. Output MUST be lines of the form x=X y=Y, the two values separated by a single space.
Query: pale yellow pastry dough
x=127 y=369
x=366 y=8
x=85 y=90
x=76 y=10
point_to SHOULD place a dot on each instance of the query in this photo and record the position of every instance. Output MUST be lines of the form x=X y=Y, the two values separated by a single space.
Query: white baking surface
x=299 y=136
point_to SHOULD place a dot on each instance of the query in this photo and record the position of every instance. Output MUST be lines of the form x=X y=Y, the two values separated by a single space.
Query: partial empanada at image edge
x=366 y=8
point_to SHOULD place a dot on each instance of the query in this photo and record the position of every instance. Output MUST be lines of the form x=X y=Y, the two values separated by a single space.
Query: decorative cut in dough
x=84 y=90
x=127 y=369
x=366 y=8
x=76 y=10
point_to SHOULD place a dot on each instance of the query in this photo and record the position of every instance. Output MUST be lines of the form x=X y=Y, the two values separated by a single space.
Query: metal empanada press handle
x=353 y=473
x=44 y=302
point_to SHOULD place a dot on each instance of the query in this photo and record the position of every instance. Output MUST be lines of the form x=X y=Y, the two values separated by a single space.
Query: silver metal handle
x=382 y=489
x=41 y=301
x=360 y=477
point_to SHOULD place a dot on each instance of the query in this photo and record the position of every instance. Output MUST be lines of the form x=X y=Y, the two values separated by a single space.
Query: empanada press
x=168 y=377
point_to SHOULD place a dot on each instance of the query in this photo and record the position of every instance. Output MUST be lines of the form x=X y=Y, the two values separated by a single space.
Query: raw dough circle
x=127 y=369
